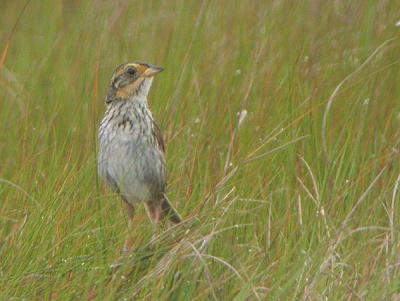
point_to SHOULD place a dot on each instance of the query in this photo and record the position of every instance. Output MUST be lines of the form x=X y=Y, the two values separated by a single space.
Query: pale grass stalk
x=185 y=61
x=218 y=187
x=225 y=263
x=269 y=225
x=361 y=199
x=392 y=210
x=199 y=256
x=225 y=197
x=253 y=74
x=209 y=236
x=308 y=191
x=352 y=291
x=224 y=212
x=267 y=197
x=337 y=89
x=387 y=263
x=184 y=246
x=244 y=102
x=300 y=278
x=336 y=241
x=254 y=201
x=362 y=229
x=242 y=117
x=16 y=229
x=317 y=198
x=19 y=188
x=299 y=210
x=274 y=150
x=225 y=179
x=391 y=238
x=317 y=203
x=276 y=132
x=163 y=265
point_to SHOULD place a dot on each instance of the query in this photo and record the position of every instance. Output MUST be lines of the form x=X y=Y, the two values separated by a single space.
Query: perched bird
x=131 y=147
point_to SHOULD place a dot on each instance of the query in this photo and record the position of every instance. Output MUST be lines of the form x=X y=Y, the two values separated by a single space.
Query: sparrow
x=131 y=157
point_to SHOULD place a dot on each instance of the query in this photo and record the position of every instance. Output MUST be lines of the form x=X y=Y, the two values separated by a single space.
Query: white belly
x=137 y=169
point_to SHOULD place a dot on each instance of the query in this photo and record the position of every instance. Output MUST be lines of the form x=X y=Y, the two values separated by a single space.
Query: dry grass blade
x=329 y=256
x=274 y=150
x=200 y=256
x=339 y=86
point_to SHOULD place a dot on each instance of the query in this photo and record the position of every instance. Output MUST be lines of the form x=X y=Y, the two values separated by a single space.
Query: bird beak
x=151 y=71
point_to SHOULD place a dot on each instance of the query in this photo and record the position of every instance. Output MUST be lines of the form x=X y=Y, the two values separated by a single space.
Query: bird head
x=130 y=80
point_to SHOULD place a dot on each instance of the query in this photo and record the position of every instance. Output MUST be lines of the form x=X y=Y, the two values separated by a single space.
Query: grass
x=298 y=201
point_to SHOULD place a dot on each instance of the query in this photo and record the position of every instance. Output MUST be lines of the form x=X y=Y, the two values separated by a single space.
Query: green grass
x=290 y=205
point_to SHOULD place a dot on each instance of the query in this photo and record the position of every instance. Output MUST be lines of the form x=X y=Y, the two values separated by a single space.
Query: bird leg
x=131 y=212
x=154 y=212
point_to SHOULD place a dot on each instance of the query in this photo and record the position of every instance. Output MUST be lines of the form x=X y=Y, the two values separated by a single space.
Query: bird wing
x=159 y=137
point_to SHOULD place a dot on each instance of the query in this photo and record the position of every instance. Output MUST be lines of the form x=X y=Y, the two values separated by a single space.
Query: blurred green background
x=297 y=201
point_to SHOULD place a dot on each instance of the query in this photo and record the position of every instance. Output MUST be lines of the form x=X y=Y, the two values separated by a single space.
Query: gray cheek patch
x=119 y=82
x=123 y=80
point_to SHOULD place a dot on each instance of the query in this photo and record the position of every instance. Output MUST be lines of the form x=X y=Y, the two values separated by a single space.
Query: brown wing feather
x=159 y=137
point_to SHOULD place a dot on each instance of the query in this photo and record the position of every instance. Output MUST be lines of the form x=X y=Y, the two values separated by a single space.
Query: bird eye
x=131 y=71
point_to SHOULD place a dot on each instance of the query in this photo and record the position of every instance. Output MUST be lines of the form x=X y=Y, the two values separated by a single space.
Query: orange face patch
x=130 y=88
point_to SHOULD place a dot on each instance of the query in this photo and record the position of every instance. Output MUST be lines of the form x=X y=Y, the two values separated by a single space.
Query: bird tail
x=169 y=211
